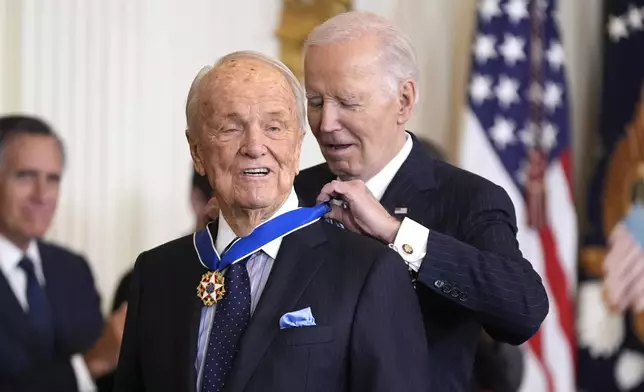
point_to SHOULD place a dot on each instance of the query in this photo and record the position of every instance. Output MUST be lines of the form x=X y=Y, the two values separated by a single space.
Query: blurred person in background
x=455 y=231
x=204 y=205
x=52 y=335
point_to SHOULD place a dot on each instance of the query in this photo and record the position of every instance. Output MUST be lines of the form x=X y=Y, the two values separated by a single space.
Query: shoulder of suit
x=462 y=179
x=342 y=240
x=50 y=249
x=181 y=244
x=314 y=173
x=171 y=251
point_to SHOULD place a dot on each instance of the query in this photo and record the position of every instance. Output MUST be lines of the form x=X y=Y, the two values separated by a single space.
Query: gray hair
x=397 y=54
x=293 y=82
x=23 y=124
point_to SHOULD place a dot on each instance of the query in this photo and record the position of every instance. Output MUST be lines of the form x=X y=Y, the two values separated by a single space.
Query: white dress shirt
x=10 y=256
x=412 y=234
x=259 y=269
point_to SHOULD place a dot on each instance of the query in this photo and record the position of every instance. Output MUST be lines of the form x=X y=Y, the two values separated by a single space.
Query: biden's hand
x=362 y=212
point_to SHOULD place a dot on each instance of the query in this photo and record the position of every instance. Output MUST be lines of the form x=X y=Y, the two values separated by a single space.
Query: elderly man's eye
x=349 y=104
x=274 y=129
x=315 y=103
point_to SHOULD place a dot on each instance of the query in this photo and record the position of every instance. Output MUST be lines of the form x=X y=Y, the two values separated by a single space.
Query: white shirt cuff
x=411 y=243
x=83 y=377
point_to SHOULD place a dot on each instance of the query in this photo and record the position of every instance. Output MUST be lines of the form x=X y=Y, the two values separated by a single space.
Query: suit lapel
x=414 y=177
x=14 y=316
x=188 y=316
x=295 y=266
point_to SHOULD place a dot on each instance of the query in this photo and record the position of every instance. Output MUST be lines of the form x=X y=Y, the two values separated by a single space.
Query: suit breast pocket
x=304 y=336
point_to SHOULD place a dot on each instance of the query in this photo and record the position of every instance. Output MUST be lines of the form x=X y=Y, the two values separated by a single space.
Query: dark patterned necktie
x=39 y=309
x=231 y=318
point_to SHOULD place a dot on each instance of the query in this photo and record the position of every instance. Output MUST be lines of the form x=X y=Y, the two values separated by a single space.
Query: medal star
x=211 y=288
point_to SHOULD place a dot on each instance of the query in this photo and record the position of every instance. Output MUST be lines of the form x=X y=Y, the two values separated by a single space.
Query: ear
x=407 y=93
x=194 y=153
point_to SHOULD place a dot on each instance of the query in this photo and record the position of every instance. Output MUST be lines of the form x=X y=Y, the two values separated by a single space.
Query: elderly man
x=456 y=231
x=268 y=297
x=52 y=336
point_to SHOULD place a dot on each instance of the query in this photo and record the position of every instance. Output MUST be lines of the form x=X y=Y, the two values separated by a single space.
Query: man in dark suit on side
x=498 y=367
x=317 y=308
x=52 y=336
x=455 y=230
x=203 y=206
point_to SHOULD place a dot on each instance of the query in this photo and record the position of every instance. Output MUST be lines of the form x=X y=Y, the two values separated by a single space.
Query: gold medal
x=211 y=288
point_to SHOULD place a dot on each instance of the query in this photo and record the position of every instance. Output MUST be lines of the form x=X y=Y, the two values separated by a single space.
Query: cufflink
x=407 y=249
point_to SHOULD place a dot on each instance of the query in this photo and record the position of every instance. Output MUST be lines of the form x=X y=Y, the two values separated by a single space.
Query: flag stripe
x=517 y=112
x=567 y=168
x=536 y=345
x=558 y=284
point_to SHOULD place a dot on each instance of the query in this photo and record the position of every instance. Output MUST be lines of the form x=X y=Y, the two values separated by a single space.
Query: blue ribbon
x=268 y=231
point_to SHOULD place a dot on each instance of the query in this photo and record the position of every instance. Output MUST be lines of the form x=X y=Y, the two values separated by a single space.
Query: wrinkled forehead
x=245 y=80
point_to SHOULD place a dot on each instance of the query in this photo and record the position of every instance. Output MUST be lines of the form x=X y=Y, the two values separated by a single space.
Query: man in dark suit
x=52 y=336
x=456 y=231
x=498 y=367
x=305 y=305
x=203 y=206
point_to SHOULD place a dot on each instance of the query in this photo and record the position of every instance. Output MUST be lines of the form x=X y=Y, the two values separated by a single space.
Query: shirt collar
x=10 y=256
x=225 y=235
x=379 y=183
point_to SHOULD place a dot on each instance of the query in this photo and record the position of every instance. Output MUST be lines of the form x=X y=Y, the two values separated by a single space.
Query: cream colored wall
x=9 y=55
x=112 y=77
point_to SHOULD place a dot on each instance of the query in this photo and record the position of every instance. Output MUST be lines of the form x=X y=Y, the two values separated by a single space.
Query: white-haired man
x=337 y=310
x=455 y=230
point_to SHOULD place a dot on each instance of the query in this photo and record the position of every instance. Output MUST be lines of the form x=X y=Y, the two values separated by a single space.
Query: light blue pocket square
x=298 y=318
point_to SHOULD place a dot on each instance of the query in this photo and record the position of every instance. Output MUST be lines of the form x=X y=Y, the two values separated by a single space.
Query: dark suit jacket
x=473 y=274
x=369 y=334
x=77 y=322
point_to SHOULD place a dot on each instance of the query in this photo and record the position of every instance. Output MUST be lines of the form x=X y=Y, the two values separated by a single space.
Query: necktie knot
x=28 y=266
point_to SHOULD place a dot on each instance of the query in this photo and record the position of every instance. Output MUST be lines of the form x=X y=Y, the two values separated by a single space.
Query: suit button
x=463 y=297
x=455 y=293
x=447 y=288
x=438 y=283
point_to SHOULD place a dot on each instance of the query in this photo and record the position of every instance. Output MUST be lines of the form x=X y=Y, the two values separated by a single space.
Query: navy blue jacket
x=75 y=303
x=473 y=274
x=368 y=336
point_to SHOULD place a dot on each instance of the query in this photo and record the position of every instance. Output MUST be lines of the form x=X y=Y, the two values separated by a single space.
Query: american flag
x=516 y=133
